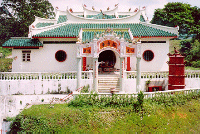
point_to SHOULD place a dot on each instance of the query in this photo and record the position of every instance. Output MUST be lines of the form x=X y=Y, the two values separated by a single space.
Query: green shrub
x=85 y=89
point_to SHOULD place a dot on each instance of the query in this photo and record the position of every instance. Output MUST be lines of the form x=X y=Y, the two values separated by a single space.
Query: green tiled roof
x=89 y=16
x=62 y=18
x=80 y=15
x=38 y=25
x=122 y=16
x=87 y=36
x=142 y=18
x=101 y=16
x=22 y=42
x=72 y=30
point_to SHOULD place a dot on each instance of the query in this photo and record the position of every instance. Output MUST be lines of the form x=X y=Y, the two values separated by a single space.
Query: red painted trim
x=134 y=37
x=148 y=50
x=54 y=37
x=155 y=36
x=128 y=64
x=84 y=63
x=62 y=60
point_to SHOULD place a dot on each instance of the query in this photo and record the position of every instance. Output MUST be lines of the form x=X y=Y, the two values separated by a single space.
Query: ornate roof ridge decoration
x=93 y=9
x=74 y=18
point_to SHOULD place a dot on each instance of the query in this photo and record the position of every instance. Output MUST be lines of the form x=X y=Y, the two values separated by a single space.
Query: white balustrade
x=150 y=94
x=147 y=75
x=161 y=74
x=192 y=74
x=87 y=74
x=37 y=75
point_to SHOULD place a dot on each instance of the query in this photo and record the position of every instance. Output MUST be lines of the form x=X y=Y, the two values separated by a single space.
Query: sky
x=124 y=5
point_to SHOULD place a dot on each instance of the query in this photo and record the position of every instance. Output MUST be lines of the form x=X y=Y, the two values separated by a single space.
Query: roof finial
x=176 y=51
x=136 y=10
x=93 y=8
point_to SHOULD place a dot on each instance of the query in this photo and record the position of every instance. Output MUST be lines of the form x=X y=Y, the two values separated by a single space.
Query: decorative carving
x=136 y=10
x=176 y=51
x=130 y=50
x=109 y=31
x=87 y=50
x=108 y=43
x=71 y=10
x=79 y=39
x=93 y=8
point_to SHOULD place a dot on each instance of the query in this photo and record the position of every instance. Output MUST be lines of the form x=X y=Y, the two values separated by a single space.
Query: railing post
x=95 y=74
x=78 y=72
x=138 y=79
x=121 y=74
x=40 y=76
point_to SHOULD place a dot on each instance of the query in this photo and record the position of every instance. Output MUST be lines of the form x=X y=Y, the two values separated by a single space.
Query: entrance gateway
x=105 y=48
x=107 y=56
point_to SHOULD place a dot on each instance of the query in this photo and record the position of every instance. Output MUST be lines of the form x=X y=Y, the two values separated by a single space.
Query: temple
x=105 y=43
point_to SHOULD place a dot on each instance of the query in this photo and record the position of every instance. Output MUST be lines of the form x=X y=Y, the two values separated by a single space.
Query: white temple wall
x=10 y=87
x=160 y=51
x=43 y=59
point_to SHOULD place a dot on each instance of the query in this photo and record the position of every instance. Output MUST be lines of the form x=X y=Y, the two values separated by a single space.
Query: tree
x=23 y=12
x=191 y=50
x=196 y=25
x=178 y=14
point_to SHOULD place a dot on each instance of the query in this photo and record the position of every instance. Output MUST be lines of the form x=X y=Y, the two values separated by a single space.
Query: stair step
x=112 y=84
x=106 y=90
x=106 y=82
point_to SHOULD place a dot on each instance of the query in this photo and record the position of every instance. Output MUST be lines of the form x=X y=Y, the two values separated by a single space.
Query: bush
x=103 y=101
x=196 y=64
x=191 y=50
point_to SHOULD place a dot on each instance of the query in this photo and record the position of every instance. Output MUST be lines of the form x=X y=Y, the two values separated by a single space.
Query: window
x=148 y=55
x=26 y=55
x=60 y=55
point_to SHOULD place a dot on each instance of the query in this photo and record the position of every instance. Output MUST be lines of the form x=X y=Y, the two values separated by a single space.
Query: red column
x=84 y=63
x=128 y=64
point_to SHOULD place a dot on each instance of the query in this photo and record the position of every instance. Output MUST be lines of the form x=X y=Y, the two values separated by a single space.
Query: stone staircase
x=106 y=82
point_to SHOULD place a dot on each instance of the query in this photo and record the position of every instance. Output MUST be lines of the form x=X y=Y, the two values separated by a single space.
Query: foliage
x=5 y=64
x=179 y=14
x=5 y=52
x=94 y=100
x=191 y=50
x=178 y=98
x=23 y=16
x=140 y=101
x=85 y=89
x=153 y=118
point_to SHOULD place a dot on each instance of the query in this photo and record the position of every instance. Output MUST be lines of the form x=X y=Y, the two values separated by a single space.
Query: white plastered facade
x=43 y=59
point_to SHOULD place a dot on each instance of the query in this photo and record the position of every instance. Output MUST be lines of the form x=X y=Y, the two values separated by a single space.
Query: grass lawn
x=180 y=118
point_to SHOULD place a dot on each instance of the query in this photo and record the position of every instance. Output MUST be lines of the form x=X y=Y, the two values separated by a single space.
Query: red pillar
x=84 y=63
x=128 y=64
